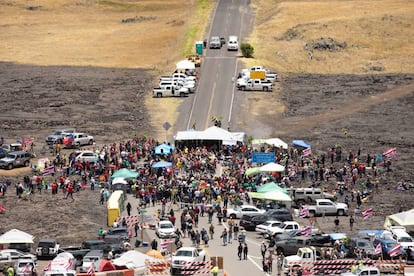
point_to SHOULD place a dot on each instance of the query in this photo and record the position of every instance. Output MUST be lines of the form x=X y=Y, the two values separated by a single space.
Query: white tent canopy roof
x=132 y=259
x=272 y=167
x=277 y=142
x=185 y=64
x=211 y=133
x=16 y=236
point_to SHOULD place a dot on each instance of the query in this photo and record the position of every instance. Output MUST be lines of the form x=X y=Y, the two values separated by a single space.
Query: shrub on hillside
x=247 y=50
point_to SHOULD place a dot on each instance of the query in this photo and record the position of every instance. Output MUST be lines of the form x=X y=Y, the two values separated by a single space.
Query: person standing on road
x=128 y=207
x=154 y=244
x=136 y=228
x=70 y=191
x=211 y=231
x=224 y=237
x=245 y=251
x=263 y=249
x=336 y=222
x=351 y=222
x=236 y=231
x=230 y=234
x=240 y=251
x=210 y=214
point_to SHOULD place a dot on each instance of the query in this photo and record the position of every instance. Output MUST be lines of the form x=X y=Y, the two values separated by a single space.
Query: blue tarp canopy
x=161 y=164
x=164 y=149
x=300 y=143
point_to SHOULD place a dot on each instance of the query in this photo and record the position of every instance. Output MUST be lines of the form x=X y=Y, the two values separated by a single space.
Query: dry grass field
x=379 y=35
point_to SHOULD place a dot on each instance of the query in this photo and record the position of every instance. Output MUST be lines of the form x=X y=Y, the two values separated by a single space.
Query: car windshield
x=11 y=156
x=23 y=264
x=46 y=244
x=405 y=239
x=266 y=223
x=184 y=253
x=389 y=244
x=57 y=133
x=166 y=226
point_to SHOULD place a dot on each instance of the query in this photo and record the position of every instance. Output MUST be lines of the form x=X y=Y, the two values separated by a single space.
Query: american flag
x=395 y=250
x=165 y=243
x=91 y=269
x=390 y=154
x=48 y=266
x=307 y=152
x=304 y=212
x=378 y=249
x=306 y=231
x=368 y=213
x=27 y=269
x=68 y=265
x=48 y=170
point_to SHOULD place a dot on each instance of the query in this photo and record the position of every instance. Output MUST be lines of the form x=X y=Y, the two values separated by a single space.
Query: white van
x=233 y=43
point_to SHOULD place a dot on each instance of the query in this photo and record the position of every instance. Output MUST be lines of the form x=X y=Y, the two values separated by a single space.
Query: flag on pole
x=68 y=265
x=378 y=249
x=390 y=154
x=306 y=231
x=307 y=152
x=368 y=213
x=395 y=250
x=304 y=212
x=91 y=269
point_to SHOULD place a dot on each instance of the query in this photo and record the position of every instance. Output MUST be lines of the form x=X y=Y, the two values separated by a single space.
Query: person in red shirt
x=70 y=191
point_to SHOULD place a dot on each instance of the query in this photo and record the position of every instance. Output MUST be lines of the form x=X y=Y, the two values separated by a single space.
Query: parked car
x=8 y=257
x=58 y=135
x=87 y=156
x=16 y=159
x=95 y=256
x=96 y=245
x=47 y=248
x=121 y=231
x=282 y=214
x=264 y=227
x=165 y=229
x=243 y=210
x=215 y=42
x=247 y=223
x=77 y=140
x=362 y=244
x=25 y=267
x=386 y=246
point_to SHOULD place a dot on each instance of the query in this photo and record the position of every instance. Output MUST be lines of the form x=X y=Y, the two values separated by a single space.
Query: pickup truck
x=284 y=227
x=368 y=270
x=180 y=76
x=254 y=85
x=291 y=246
x=327 y=207
x=215 y=42
x=169 y=91
x=305 y=255
x=184 y=255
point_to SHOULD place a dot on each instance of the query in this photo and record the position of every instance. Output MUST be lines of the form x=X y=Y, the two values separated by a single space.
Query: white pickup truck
x=184 y=256
x=254 y=85
x=181 y=76
x=283 y=228
x=327 y=207
x=303 y=259
x=170 y=91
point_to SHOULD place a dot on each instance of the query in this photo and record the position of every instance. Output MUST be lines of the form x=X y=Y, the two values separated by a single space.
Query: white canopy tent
x=271 y=141
x=272 y=167
x=211 y=133
x=16 y=236
x=185 y=65
x=133 y=259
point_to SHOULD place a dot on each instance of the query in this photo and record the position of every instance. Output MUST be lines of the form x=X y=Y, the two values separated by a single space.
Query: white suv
x=233 y=43
x=243 y=210
x=400 y=234
x=78 y=139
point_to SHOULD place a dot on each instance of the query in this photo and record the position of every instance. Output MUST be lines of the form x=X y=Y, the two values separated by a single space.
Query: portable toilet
x=199 y=47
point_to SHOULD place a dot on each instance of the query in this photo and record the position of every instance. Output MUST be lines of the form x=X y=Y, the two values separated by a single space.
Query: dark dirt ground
x=108 y=103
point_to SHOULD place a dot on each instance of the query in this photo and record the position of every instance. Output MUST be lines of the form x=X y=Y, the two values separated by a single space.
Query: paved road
x=215 y=93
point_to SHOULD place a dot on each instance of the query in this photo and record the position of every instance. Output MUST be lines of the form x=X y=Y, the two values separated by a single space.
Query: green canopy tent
x=272 y=196
x=124 y=173
x=270 y=187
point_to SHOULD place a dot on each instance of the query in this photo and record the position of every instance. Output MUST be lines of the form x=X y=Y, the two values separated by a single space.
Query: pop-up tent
x=124 y=173
x=164 y=149
x=162 y=164
x=270 y=187
x=404 y=219
x=272 y=196
x=132 y=259
x=269 y=167
x=271 y=141
x=16 y=236
x=300 y=143
x=185 y=65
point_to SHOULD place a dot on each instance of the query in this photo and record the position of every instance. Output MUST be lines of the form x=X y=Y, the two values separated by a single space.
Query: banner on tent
x=263 y=157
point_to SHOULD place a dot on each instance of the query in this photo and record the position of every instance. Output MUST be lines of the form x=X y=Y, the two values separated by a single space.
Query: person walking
x=136 y=228
x=351 y=222
x=128 y=207
x=236 y=231
x=230 y=234
x=154 y=244
x=336 y=222
x=263 y=249
x=240 y=251
x=224 y=237
x=245 y=251
x=211 y=231
x=70 y=191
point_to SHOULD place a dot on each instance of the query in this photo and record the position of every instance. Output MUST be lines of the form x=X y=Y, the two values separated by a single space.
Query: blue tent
x=162 y=164
x=164 y=149
x=300 y=143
